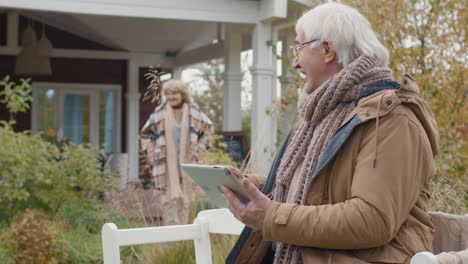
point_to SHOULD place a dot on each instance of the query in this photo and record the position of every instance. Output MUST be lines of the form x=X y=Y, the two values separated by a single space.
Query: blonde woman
x=176 y=132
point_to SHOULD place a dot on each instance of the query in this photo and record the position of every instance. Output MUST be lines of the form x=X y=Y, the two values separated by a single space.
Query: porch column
x=177 y=73
x=263 y=126
x=133 y=109
x=232 y=81
x=12 y=29
x=287 y=116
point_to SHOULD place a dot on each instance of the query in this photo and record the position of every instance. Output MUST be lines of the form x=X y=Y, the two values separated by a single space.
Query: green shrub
x=36 y=174
x=27 y=164
x=92 y=216
x=33 y=238
x=174 y=253
x=5 y=254
x=217 y=154
x=89 y=217
x=16 y=97
x=81 y=228
x=83 y=246
x=76 y=226
x=182 y=251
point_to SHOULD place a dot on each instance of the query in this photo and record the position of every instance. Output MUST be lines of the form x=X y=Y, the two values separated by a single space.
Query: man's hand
x=253 y=213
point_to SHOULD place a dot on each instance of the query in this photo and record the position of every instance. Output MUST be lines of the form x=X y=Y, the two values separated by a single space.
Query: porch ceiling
x=133 y=34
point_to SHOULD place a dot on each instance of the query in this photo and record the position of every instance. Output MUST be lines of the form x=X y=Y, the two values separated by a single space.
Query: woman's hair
x=177 y=86
x=349 y=33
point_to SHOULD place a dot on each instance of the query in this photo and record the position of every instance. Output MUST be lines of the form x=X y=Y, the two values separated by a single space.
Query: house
x=102 y=48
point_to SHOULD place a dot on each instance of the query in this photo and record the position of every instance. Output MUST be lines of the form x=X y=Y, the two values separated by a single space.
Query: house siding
x=66 y=70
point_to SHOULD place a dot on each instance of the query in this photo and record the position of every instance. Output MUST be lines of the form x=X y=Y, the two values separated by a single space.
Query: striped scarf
x=197 y=136
x=322 y=113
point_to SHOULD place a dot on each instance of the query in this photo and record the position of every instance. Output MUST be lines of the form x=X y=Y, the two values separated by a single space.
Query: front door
x=79 y=113
x=76 y=124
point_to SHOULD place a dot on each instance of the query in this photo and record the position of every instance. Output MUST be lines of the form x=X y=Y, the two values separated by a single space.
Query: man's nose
x=295 y=63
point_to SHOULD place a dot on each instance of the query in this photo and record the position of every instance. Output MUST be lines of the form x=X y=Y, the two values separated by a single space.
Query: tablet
x=210 y=178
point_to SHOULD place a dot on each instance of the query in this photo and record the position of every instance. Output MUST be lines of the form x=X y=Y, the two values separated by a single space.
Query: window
x=81 y=113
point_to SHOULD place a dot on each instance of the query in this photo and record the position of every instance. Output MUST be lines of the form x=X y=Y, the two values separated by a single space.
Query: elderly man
x=351 y=182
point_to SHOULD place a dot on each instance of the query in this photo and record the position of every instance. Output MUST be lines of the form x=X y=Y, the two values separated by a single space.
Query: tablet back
x=211 y=178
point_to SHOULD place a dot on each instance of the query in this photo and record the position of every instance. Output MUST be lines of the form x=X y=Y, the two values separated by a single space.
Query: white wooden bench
x=219 y=221
x=450 y=240
x=424 y=258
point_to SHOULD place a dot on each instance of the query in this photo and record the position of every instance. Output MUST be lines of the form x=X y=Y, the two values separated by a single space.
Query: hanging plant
x=154 y=89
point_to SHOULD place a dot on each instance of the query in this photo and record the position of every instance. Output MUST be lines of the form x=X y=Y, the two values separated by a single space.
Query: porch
x=101 y=49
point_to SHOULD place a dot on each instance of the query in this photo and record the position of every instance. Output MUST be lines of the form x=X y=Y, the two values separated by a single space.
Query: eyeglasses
x=297 y=47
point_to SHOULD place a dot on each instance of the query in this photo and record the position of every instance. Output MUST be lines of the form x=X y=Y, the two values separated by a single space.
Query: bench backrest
x=219 y=221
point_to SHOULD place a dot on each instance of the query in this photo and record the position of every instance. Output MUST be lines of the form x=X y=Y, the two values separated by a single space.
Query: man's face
x=310 y=61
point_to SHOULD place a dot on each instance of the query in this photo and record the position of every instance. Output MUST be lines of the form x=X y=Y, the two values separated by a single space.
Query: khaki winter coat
x=358 y=213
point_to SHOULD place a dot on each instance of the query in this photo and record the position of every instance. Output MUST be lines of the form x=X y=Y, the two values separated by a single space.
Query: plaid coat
x=153 y=140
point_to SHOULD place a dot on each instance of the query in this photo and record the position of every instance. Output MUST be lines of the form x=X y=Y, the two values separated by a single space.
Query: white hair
x=349 y=33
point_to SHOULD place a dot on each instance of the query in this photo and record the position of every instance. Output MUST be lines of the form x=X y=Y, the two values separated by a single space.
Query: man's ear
x=328 y=52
